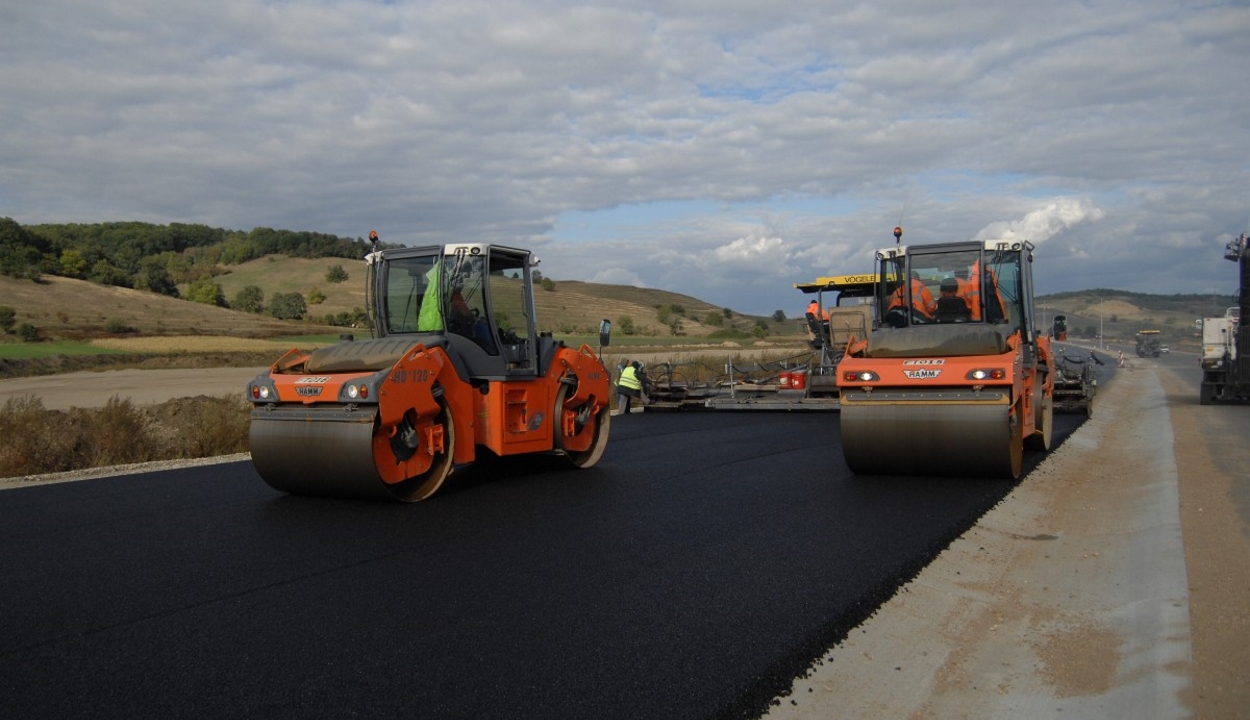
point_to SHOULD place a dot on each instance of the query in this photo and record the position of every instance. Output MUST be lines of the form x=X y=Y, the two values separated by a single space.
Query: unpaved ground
x=1075 y=597
x=1213 y=458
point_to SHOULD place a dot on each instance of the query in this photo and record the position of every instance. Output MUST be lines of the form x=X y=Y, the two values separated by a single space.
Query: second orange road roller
x=456 y=367
x=957 y=376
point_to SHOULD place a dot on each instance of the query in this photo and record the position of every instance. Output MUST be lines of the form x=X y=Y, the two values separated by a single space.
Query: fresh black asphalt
x=701 y=566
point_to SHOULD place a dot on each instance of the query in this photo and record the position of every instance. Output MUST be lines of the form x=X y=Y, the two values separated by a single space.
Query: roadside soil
x=1213 y=461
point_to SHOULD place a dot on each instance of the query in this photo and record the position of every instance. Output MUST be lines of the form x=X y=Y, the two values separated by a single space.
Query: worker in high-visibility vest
x=921 y=299
x=816 y=311
x=972 y=294
x=628 y=386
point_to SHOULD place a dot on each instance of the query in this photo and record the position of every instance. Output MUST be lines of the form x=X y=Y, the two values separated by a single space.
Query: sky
x=723 y=149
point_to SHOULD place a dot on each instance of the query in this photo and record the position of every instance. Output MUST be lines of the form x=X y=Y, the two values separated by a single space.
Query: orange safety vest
x=972 y=293
x=817 y=312
x=921 y=299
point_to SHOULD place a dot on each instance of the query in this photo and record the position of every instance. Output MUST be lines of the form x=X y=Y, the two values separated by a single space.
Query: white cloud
x=798 y=134
x=1043 y=223
x=618 y=276
x=750 y=252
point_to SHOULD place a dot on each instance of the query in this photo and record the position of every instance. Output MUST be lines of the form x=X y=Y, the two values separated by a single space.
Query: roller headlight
x=986 y=374
x=860 y=376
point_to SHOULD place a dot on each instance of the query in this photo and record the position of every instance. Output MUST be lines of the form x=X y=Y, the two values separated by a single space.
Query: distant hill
x=1120 y=315
x=73 y=309
x=67 y=308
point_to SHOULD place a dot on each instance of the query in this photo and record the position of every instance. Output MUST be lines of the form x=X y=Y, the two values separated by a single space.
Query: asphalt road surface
x=694 y=573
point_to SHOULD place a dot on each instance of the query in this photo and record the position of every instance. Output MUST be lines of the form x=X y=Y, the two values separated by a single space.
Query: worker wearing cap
x=629 y=386
x=921 y=299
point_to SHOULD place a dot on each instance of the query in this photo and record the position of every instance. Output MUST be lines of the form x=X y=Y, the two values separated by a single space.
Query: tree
x=288 y=306
x=21 y=252
x=625 y=325
x=547 y=284
x=106 y=273
x=8 y=318
x=315 y=296
x=727 y=313
x=153 y=276
x=714 y=319
x=249 y=299
x=205 y=290
x=73 y=264
x=779 y=316
x=675 y=325
x=28 y=332
x=336 y=274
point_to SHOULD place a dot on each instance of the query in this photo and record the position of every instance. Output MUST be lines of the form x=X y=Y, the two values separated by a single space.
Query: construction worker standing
x=628 y=386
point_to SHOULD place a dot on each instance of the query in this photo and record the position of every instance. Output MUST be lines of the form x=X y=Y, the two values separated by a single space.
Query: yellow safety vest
x=629 y=378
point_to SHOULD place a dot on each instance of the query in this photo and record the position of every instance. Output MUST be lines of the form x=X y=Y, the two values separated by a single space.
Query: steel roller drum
x=318 y=452
x=954 y=433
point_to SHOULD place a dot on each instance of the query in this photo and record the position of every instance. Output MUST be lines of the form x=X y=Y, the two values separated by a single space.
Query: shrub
x=206 y=290
x=288 y=306
x=40 y=441
x=249 y=298
x=113 y=435
x=28 y=332
x=117 y=325
x=8 y=319
x=336 y=274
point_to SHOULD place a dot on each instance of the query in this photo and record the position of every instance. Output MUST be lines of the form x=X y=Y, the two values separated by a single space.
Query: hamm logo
x=925 y=374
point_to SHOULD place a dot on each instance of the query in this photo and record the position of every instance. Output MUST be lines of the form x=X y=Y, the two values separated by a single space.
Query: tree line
x=156 y=258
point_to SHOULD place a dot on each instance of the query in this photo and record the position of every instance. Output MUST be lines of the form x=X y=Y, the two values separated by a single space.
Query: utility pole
x=1100 y=338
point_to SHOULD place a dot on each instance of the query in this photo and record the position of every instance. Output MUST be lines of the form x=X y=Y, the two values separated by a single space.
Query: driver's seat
x=952 y=309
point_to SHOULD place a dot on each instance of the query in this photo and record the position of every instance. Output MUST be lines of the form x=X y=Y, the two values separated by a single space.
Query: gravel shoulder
x=1111 y=583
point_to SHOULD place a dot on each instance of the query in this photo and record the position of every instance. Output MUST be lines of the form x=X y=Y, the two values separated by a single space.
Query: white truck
x=1226 y=340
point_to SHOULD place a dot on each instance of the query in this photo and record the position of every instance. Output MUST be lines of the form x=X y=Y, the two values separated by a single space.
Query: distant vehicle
x=1164 y=349
x=1148 y=344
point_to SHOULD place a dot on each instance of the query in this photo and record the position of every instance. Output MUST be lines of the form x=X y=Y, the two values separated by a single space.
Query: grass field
x=22 y=351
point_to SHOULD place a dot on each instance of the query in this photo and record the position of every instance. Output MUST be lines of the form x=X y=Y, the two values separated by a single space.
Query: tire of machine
x=422 y=486
x=1043 y=420
x=602 y=425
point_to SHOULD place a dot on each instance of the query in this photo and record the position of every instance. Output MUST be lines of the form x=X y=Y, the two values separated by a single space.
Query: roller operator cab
x=956 y=376
x=455 y=367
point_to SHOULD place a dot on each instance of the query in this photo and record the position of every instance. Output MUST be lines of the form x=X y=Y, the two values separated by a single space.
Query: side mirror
x=605 y=332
